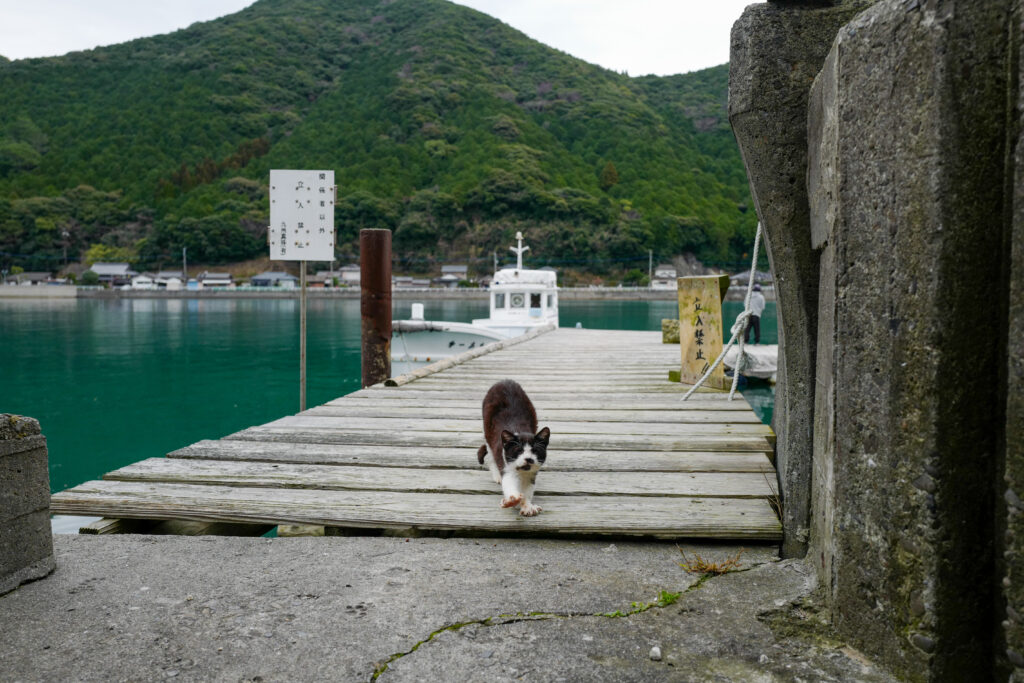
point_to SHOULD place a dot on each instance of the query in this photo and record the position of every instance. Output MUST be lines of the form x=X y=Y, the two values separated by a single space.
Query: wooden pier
x=627 y=457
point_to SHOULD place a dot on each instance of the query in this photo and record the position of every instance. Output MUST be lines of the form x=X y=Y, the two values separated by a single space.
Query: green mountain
x=442 y=123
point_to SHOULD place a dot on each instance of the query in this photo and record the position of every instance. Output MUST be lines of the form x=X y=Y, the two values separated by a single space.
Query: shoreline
x=48 y=292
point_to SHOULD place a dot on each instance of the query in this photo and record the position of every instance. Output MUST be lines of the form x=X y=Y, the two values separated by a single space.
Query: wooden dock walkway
x=627 y=457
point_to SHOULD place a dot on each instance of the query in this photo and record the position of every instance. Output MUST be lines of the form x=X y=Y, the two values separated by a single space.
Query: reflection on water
x=115 y=381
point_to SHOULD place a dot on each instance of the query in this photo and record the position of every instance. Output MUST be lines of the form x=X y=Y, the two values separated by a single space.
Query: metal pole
x=375 y=304
x=302 y=336
x=650 y=267
x=184 y=266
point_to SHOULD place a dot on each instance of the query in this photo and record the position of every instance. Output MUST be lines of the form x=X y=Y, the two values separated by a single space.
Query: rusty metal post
x=375 y=305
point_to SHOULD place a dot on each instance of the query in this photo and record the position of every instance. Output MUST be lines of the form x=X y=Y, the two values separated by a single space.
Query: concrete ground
x=141 y=608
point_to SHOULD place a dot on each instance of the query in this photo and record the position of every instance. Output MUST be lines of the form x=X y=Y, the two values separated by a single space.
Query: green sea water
x=116 y=381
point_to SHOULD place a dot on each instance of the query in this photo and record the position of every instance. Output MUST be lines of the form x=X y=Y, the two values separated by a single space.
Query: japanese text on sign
x=301 y=215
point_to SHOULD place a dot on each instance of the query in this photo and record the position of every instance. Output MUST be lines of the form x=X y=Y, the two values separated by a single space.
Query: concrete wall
x=777 y=49
x=26 y=547
x=38 y=291
x=913 y=231
x=1011 y=561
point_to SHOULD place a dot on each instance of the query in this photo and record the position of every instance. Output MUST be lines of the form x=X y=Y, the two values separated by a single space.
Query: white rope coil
x=737 y=329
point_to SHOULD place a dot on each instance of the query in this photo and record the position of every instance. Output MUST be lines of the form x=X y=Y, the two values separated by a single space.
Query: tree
x=609 y=176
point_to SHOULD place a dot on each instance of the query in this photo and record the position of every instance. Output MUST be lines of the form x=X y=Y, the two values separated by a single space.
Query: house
x=209 y=279
x=449 y=281
x=349 y=275
x=461 y=272
x=409 y=282
x=27 y=278
x=113 y=274
x=144 y=281
x=168 y=279
x=664 y=277
x=274 y=279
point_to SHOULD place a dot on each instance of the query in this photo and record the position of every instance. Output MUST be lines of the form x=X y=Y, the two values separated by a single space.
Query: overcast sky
x=639 y=36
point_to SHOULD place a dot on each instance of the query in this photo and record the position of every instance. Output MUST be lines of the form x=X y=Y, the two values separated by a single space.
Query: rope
x=737 y=327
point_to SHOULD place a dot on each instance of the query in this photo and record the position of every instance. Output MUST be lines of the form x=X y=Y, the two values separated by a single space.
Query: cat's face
x=524 y=451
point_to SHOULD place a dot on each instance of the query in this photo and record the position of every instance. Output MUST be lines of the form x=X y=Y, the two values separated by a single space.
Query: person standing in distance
x=754 y=321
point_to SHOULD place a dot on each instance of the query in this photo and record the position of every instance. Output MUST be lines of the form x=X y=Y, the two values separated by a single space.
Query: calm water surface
x=114 y=382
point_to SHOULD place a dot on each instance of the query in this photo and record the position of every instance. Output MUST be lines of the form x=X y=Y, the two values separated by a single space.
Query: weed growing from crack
x=699 y=565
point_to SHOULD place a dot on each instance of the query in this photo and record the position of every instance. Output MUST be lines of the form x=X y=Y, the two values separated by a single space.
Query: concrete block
x=25 y=476
x=777 y=49
x=905 y=499
x=26 y=544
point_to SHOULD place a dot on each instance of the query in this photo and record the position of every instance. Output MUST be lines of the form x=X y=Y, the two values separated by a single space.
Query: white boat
x=761 y=360
x=520 y=300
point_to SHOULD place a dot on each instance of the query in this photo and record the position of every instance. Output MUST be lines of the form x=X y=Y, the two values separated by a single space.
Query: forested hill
x=441 y=123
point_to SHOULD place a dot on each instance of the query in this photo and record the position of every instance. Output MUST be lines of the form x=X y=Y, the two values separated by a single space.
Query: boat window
x=499 y=300
x=535 y=300
x=517 y=300
x=551 y=300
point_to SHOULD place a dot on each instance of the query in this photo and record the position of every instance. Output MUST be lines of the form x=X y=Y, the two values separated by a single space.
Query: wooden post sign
x=700 y=328
x=301 y=229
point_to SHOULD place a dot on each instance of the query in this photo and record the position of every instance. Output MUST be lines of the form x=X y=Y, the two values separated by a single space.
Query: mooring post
x=375 y=305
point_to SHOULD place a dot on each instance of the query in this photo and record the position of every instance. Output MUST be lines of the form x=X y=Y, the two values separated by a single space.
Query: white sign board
x=301 y=215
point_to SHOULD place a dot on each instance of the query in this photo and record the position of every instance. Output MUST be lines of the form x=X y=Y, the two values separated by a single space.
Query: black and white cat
x=516 y=449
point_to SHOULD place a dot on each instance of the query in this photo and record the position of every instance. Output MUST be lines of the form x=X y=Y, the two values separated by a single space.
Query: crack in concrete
x=664 y=599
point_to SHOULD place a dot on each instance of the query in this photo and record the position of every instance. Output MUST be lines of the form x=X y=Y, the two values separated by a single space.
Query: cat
x=516 y=448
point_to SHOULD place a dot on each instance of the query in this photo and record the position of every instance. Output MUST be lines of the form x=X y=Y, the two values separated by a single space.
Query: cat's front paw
x=511 y=501
x=529 y=510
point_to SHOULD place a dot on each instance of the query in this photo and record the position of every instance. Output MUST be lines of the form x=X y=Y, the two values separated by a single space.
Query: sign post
x=301 y=229
x=700 y=328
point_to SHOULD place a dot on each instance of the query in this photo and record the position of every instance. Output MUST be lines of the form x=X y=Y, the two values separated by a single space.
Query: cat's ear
x=543 y=435
x=507 y=437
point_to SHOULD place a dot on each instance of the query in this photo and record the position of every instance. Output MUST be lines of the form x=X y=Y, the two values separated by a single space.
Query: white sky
x=636 y=36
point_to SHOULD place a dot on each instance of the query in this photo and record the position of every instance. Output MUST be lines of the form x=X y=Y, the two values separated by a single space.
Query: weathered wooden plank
x=105 y=526
x=465 y=458
x=633 y=397
x=671 y=518
x=330 y=477
x=443 y=399
x=585 y=442
x=420 y=411
x=475 y=426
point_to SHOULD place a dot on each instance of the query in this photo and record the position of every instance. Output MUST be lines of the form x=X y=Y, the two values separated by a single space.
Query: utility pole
x=650 y=267
x=495 y=254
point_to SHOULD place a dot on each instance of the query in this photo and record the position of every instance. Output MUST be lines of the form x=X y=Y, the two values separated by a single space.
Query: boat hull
x=415 y=343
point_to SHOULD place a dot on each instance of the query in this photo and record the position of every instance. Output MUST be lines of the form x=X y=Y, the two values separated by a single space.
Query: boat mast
x=519 y=251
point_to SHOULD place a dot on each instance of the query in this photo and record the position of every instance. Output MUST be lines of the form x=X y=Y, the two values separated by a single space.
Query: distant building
x=664 y=277
x=349 y=275
x=274 y=279
x=409 y=282
x=449 y=281
x=144 y=281
x=30 y=278
x=113 y=274
x=458 y=270
x=168 y=279
x=208 y=279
